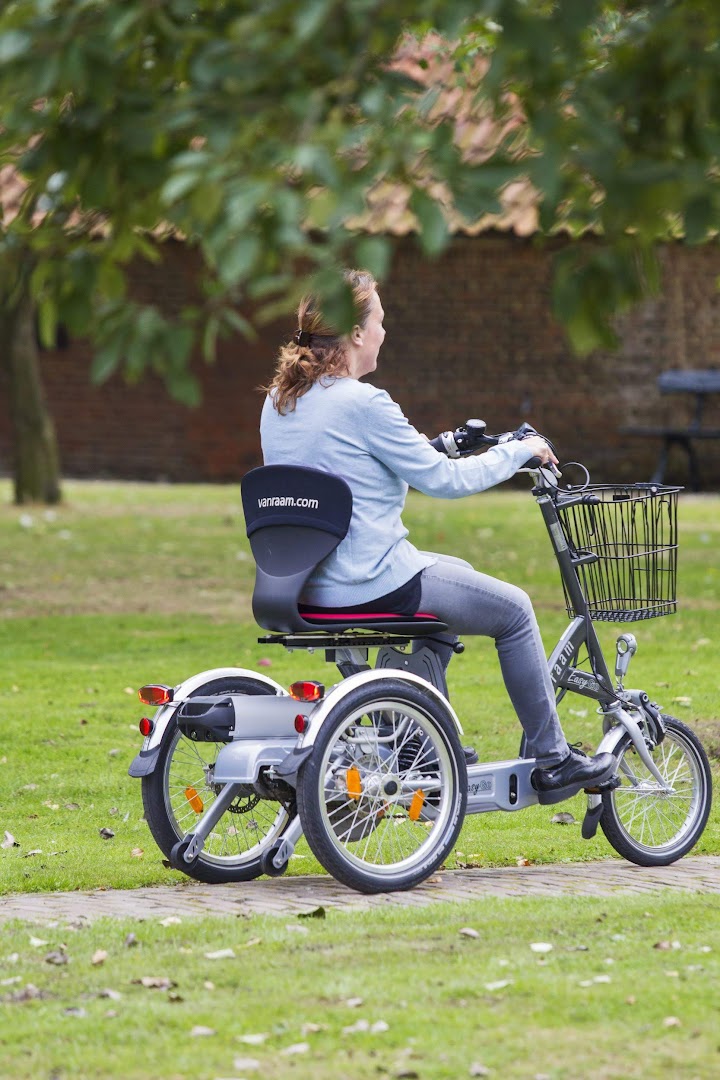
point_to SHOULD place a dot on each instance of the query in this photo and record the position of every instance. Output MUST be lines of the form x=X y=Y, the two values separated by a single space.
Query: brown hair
x=316 y=350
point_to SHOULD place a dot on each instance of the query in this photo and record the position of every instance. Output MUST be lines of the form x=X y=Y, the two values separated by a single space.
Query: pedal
x=607 y=785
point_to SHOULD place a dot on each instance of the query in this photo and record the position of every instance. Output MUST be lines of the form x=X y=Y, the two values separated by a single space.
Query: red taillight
x=146 y=726
x=301 y=724
x=307 y=691
x=155 y=694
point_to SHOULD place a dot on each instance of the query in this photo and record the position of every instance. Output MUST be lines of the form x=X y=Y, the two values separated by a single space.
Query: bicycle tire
x=399 y=818
x=227 y=856
x=679 y=819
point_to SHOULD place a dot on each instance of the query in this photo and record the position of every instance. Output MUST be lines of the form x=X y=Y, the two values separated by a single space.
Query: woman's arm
x=391 y=438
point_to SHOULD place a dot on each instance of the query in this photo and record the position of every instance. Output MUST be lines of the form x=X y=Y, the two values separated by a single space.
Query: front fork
x=620 y=718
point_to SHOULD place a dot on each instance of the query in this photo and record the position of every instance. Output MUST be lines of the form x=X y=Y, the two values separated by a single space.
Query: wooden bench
x=701 y=383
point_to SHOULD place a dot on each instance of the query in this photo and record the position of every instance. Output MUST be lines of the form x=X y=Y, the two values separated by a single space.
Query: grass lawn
x=129 y=583
x=622 y=991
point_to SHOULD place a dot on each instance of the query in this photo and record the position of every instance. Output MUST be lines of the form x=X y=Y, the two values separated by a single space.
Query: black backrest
x=295 y=517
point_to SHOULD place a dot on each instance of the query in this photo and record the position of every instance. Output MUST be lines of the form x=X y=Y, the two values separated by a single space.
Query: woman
x=318 y=414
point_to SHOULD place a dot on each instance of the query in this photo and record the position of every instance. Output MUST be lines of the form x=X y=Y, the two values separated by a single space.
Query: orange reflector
x=307 y=691
x=155 y=694
x=418 y=801
x=354 y=787
x=194 y=799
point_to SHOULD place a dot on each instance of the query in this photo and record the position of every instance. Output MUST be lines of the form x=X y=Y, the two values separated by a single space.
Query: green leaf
x=13 y=45
x=238 y=259
x=48 y=321
x=373 y=253
x=431 y=221
x=700 y=218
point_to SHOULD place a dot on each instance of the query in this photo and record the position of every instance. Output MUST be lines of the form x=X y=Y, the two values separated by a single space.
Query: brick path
x=293 y=895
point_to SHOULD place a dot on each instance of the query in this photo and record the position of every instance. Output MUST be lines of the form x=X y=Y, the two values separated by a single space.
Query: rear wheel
x=651 y=826
x=180 y=789
x=382 y=797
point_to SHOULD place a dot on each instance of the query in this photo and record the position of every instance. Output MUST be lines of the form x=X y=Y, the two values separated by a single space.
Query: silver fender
x=144 y=763
x=342 y=689
x=240 y=761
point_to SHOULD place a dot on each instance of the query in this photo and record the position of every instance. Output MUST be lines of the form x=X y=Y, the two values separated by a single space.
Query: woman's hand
x=537 y=447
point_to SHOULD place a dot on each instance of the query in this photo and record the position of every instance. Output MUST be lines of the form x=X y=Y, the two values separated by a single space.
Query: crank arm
x=208 y=821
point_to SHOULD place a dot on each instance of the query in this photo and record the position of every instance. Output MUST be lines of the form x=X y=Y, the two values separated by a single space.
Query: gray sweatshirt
x=357 y=431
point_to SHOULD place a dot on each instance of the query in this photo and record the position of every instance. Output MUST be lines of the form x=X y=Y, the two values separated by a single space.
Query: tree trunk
x=36 y=461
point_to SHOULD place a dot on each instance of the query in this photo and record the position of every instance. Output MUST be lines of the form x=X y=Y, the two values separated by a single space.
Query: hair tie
x=301 y=337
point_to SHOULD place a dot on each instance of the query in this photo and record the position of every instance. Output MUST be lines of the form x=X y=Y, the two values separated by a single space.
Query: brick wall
x=470 y=334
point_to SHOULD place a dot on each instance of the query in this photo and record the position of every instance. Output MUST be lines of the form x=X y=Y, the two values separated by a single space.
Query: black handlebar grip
x=533 y=463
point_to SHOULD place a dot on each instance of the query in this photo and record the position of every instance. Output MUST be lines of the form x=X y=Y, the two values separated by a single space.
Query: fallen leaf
x=295 y=1048
x=199 y=1031
x=9 y=841
x=130 y=941
x=357 y=1027
x=467 y=931
x=353 y=1002
x=57 y=957
x=37 y=942
x=476 y=1069
x=114 y=995
x=253 y=1040
x=663 y=946
x=220 y=954
x=316 y=913
x=174 y=997
x=672 y=1021
x=601 y=979
x=246 y=1064
x=170 y=920
x=72 y=806
x=499 y=984
x=631 y=1000
x=379 y=1027
x=522 y=861
x=310 y=1028
x=75 y=1010
x=35 y=851
x=264 y=662
x=99 y=957
x=207 y=985
x=106 y=834
x=137 y=853
x=249 y=944
x=129 y=690
x=541 y=946
x=563 y=819
x=155 y=982
x=51 y=805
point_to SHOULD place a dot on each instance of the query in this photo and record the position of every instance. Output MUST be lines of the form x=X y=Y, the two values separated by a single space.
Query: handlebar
x=472 y=436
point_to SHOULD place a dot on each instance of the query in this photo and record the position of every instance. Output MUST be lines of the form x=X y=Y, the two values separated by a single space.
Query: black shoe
x=471 y=755
x=575 y=772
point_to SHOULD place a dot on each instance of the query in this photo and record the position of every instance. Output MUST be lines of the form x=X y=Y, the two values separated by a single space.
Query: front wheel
x=382 y=798
x=180 y=789
x=644 y=823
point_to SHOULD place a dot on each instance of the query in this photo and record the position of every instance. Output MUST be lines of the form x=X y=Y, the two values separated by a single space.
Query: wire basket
x=632 y=532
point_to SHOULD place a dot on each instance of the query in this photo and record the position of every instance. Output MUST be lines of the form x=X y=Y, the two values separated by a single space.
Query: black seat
x=295 y=518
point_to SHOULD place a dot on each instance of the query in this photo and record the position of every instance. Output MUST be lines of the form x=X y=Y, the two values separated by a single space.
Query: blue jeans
x=474 y=603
